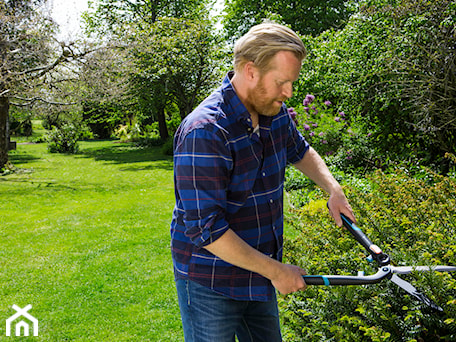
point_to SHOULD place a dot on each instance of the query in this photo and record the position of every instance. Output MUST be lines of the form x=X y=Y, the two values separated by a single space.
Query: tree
x=424 y=68
x=177 y=60
x=171 y=44
x=28 y=53
x=24 y=51
x=105 y=91
x=114 y=16
x=392 y=70
x=304 y=16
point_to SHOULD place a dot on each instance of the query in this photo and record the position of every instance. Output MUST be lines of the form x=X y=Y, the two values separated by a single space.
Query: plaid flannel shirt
x=228 y=176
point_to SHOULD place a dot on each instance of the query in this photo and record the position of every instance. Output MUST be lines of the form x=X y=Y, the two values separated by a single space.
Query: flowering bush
x=329 y=130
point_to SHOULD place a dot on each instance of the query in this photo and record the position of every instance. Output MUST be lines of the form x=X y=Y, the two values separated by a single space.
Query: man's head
x=267 y=60
x=262 y=43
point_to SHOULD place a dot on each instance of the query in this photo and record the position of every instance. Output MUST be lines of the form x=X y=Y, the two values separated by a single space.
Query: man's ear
x=251 y=72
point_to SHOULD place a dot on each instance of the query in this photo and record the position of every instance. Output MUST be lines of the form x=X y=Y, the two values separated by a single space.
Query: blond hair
x=261 y=44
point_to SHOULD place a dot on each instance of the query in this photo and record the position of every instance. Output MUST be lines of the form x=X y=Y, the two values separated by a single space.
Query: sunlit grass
x=85 y=241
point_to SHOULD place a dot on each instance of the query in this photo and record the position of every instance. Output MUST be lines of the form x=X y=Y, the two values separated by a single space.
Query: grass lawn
x=85 y=241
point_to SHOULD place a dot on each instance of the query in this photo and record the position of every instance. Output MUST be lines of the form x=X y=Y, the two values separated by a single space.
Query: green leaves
x=413 y=220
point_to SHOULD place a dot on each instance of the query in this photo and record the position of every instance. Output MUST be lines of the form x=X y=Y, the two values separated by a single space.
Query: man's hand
x=289 y=279
x=338 y=204
x=231 y=248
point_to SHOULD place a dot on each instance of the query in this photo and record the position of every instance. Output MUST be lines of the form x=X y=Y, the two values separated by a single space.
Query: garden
x=87 y=195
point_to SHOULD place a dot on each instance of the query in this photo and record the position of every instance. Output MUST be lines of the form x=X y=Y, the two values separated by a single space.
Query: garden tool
x=385 y=269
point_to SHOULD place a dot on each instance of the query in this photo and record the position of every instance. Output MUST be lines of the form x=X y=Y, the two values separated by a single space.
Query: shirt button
x=271 y=201
x=264 y=174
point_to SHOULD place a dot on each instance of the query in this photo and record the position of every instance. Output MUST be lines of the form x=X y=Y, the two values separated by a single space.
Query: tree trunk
x=4 y=138
x=162 y=124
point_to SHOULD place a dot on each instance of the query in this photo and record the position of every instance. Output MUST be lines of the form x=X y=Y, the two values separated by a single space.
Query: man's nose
x=287 y=90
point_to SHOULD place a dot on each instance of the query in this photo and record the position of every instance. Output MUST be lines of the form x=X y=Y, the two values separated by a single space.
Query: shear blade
x=409 y=269
x=409 y=288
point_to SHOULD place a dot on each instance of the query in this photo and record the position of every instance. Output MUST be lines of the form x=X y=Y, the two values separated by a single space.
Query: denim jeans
x=210 y=317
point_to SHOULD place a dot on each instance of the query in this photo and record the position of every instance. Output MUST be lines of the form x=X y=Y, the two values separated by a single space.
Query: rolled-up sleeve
x=297 y=146
x=202 y=165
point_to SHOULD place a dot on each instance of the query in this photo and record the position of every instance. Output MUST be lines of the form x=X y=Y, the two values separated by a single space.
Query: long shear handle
x=373 y=249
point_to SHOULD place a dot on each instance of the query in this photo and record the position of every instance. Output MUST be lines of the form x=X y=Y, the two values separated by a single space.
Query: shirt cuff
x=205 y=231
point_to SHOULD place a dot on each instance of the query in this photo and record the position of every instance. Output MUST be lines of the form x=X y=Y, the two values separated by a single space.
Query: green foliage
x=116 y=16
x=63 y=139
x=304 y=16
x=392 y=69
x=20 y=123
x=332 y=133
x=176 y=61
x=411 y=217
x=102 y=118
x=167 y=148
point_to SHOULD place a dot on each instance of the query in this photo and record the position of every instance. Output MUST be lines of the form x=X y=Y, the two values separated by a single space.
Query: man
x=229 y=163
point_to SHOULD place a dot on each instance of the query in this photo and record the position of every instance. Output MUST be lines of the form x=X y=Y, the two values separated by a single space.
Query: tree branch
x=30 y=101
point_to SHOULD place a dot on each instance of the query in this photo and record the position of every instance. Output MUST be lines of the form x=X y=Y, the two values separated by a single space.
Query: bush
x=331 y=132
x=63 y=139
x=412 y=218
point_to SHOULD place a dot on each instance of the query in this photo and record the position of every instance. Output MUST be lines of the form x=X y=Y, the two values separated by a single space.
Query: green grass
x=84 y=239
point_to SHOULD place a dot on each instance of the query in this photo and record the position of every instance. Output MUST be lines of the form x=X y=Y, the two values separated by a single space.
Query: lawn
x=85 y=241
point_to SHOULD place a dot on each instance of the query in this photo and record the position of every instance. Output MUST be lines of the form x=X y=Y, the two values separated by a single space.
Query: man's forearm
x=232 y=249
x=314 y=167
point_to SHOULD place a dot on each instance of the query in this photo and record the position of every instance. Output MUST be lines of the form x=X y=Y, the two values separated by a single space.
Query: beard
x=261 y=104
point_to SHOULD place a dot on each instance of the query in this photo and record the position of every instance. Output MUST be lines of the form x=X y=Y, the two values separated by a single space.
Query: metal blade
x=409 y=269
x=409 y=288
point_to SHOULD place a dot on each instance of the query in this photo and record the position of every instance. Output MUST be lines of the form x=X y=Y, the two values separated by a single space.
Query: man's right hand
x=288 y=279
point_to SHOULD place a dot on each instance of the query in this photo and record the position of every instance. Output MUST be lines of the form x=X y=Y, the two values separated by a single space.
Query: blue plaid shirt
x=228 y=176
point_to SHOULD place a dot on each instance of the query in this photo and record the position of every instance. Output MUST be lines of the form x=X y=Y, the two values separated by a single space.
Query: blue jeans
x=210 y=317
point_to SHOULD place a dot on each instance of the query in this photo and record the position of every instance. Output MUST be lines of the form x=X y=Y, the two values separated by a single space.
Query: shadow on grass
x=22 y=158
x=129 y=154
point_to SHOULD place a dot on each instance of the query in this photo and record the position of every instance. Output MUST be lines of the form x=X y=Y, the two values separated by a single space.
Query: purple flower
x=306 y=109
x=337 y=119
x=308 y=100
x=293 y=114
x=324 y=142
x=369 y=134
x=306 y=127
x=321 y=134
x=314 y=125
x=312 y=134
x=327 y=103
x=342 y=114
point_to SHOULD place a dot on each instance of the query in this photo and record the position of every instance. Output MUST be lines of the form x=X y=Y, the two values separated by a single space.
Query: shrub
x=412 y=218
x=167 y=148
x=330 y=131
x=63 y=139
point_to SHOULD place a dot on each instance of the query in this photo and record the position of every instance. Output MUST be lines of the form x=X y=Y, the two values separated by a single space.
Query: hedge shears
x=385 y=269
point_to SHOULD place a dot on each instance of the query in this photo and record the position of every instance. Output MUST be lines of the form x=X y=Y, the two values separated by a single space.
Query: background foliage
x=391 y=69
